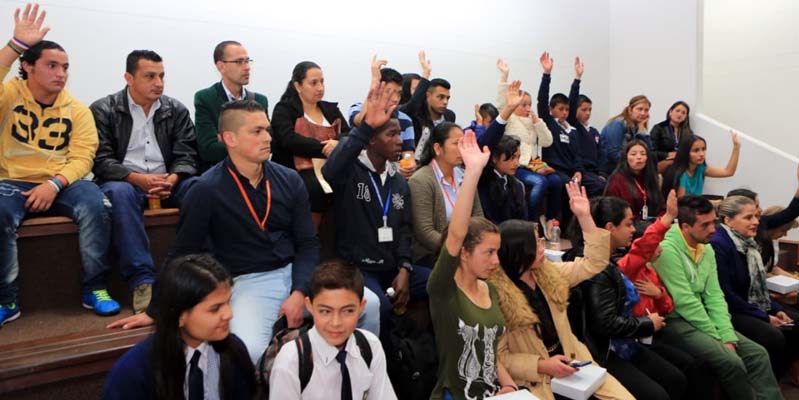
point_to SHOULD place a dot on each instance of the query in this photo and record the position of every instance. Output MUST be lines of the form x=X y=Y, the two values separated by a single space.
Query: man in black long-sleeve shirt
x=257 y=216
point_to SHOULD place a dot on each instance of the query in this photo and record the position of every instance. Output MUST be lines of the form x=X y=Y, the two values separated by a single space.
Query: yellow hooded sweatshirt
x=37 y=145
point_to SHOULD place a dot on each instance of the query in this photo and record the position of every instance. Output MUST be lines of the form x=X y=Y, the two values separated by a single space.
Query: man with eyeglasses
x=233 y=63
x=147 y=153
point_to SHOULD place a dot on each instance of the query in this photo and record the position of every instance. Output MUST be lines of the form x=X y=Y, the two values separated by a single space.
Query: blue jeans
x=379 y=282
x=84 y=203
x=256 y=302
x=129 y=237
x=541 y=185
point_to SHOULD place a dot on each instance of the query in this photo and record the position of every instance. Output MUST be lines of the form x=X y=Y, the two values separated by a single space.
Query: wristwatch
x=406 y=265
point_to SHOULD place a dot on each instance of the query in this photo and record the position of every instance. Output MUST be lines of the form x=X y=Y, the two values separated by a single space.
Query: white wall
x=657 y=50
x=750 y=66
x=341 y=36
x=653 y=52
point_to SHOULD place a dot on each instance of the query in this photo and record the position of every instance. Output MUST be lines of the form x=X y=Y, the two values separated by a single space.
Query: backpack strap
x=250 y=95
x=305 y=354
x=364 y=347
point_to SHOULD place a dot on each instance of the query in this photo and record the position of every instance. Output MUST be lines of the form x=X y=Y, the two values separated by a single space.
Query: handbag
x=308 y=129
x=538 y=166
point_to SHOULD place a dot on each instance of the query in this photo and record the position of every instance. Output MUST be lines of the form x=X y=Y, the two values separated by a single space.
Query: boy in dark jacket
x=560 y=155
x=589 y=152
x=373 y=206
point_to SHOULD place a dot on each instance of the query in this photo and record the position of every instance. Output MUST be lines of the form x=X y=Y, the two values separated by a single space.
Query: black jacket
x=604 y=297
x=416 y=108
x=174 y=132
x=587 y=148
x=286 y=143
x=664 y=140
x=358 y=208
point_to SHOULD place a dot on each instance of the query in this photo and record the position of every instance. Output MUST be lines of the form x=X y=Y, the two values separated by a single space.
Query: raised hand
x=515 y=95
x=376 y=65
x=504 y=69
x=28 y=27
x=578 y=200
x=736 y=141
x=473 y=157
x=478 y=119
x=546 y=62
x=579 y=68
x=425 y=64
x=671 y=209
x=377 y=102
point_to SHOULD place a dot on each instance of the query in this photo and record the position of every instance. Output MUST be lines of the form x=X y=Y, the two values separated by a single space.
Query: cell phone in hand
x=579 y=364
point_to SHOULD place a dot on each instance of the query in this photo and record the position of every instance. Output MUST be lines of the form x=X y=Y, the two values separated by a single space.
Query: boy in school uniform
x=335 y=299
x=588 y=149
x=560 y=155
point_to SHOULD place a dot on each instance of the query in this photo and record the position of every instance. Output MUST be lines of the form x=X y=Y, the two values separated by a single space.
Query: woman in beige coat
x=533 y=296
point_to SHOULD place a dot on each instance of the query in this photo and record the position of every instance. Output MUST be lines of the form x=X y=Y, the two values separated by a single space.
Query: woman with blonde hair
x=631 y=123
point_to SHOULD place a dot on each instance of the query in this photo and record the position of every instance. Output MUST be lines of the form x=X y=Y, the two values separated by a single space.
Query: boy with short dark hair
x=560 y=155
x=588 y=150
x=335 y=299
x=357 y=111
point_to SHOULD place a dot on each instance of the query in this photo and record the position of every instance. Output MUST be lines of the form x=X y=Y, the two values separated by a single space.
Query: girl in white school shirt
x=192 y=354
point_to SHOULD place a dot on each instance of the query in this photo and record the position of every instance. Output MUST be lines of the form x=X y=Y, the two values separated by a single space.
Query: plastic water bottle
x=406 y=160
x=390 y=293
x=554 y=236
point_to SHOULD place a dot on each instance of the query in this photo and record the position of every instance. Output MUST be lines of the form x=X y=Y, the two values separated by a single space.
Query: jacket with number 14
x=359 y=213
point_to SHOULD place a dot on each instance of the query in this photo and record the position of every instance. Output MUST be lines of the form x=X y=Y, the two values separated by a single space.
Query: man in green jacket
x=700 y=323
x=233 y=63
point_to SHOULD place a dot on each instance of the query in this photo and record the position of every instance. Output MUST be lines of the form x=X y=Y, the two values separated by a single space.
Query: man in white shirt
x=147 y=150
x=340 y=368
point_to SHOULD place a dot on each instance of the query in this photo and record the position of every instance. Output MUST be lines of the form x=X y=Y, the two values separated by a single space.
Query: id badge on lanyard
x=644 y=209
x=385 y=233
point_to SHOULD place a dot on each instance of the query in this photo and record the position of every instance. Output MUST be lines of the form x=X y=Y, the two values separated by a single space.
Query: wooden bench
x=49 y=251
x=49 y=226
x=49 y=280
x=39 y=362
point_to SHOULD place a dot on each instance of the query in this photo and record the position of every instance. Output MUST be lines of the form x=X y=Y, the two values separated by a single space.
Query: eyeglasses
x=240 y=61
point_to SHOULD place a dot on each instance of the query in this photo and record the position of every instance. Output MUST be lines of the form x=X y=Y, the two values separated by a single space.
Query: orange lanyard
x=261 y=223
x=443 y=189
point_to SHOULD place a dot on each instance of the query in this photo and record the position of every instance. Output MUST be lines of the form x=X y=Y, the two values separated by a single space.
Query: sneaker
x=9 y=312
x=141 y=297
x=101 y=302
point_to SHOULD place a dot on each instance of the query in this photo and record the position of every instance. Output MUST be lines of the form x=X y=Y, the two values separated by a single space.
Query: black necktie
x=346 y=386
x=196 y=389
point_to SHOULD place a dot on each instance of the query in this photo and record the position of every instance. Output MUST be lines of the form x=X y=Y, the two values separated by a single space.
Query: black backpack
x=412 y=363
x=284 y=335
